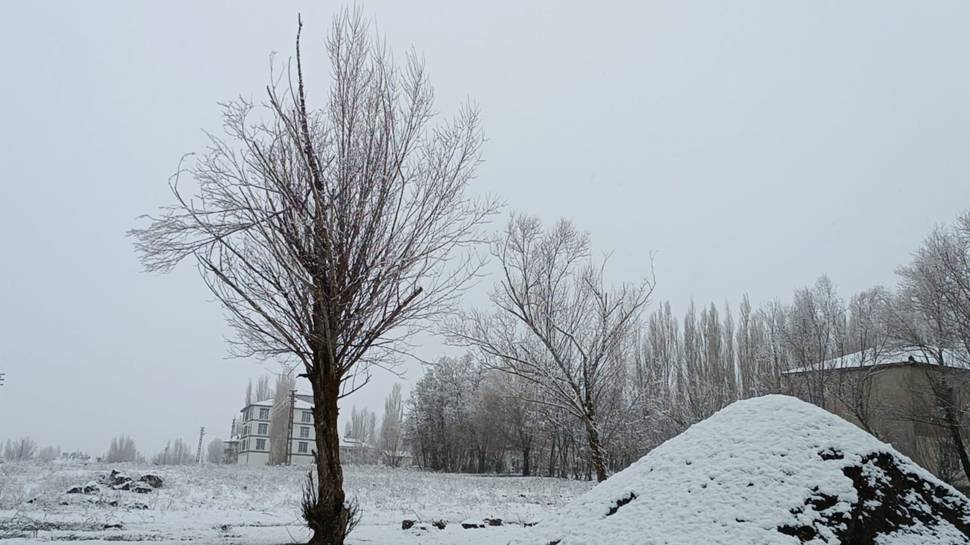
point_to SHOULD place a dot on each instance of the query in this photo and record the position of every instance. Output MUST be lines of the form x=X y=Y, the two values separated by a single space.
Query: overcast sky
x=751 y=145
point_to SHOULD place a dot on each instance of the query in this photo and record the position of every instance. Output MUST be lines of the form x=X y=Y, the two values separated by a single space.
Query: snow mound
x=770 y=470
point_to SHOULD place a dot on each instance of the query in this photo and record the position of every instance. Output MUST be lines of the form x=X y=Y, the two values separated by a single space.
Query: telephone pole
x=289 y=426
x=198 y=457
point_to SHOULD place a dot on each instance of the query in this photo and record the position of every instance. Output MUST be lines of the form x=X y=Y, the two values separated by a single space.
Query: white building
x=251 y=433
x=250 y=441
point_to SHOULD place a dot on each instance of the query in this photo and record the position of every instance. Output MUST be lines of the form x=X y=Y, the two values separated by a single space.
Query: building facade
x=253 y=433
x=253 y=437
x=896 y=396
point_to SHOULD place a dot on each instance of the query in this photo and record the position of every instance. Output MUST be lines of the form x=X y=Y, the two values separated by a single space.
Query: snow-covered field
x=232 y=504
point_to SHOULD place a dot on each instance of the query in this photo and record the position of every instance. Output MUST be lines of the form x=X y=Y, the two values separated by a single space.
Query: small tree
x=19 y=449
x=121 y=449
x=326 y=233
x=215 y=453
x=175 y=453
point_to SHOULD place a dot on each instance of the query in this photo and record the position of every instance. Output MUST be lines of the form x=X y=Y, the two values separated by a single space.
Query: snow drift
x=770 y=470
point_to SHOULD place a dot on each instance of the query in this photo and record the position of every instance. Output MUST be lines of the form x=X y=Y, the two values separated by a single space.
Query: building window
x=246 y=429
x=261 y=444
x=304 y=432
x=307 y=417
x=262 y=429
x=263 y=413
x=245 y=444
x=301 y=447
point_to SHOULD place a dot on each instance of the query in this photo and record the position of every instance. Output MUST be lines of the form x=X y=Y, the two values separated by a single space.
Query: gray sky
x=752 y=145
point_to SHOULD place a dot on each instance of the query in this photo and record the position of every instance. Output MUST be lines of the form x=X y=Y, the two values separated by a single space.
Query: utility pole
x=198 y=457
x=289 y=426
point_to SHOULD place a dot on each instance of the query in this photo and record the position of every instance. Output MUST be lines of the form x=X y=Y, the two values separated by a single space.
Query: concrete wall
x=896 y=403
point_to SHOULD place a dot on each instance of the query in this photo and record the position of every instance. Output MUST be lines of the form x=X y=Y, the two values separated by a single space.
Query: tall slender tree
x=327 y=232
x=392 y=427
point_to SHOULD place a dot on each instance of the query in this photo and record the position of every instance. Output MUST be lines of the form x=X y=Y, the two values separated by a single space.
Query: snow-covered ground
x=234 y=504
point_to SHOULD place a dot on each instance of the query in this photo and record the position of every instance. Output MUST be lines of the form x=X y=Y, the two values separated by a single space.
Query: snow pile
x=770 y=470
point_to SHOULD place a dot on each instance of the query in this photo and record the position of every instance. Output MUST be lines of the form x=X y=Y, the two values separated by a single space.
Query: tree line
x=567 y=376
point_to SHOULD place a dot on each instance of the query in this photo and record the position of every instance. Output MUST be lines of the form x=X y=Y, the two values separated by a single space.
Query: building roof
x=912 y=355
x=353 y=442
x=303 y=401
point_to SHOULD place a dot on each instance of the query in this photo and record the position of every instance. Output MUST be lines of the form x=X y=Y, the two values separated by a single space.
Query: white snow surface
x=260 y=505
x=732 y=479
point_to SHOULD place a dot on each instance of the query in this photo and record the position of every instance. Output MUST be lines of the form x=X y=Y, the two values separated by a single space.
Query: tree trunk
x=526 y=454
x=552 y=458
x=327 y=514
x=953 y=425
x=597 y=457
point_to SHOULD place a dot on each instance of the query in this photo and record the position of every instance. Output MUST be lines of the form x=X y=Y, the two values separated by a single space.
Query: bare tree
x=19 y=449
x=121 y=449
x=263 y=390
x=392 y=427
x=931 y=313
x=813 y=334
x=175 y=453
x=866 y=344
x=557 y=323
x=281 y=419
x=519 y=417
x=325 y=233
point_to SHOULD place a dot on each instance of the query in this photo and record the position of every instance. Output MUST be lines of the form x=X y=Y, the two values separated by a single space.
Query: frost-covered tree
x=814 y=333
x=280 y=419
x=361 y=425
x=175 y=452
x=121 y=449
x=439 y=425
x=327 y=231
x=15 y=450
x=215 y=452
x=263 y=391
x=866 y=342
x=392 y=427
x=518 y=417
x=557 y=323
x=931 y=312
